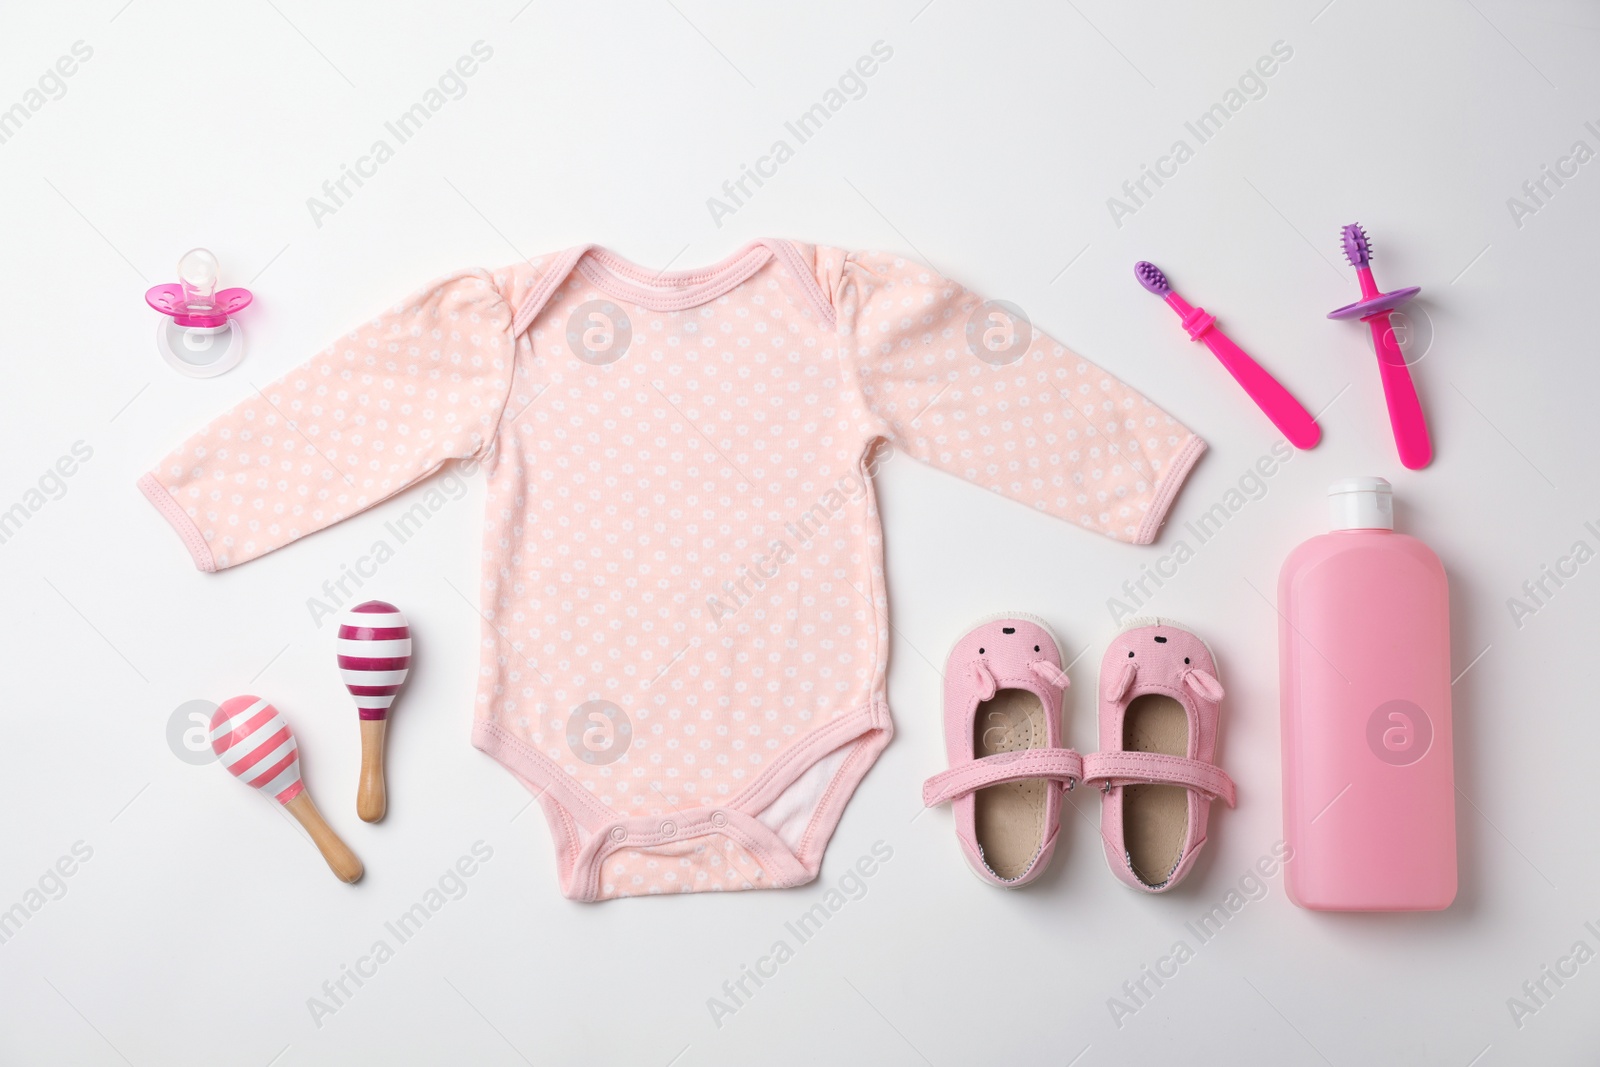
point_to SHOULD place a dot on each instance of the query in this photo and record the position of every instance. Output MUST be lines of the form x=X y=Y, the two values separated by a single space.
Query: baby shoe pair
x=1009 y=771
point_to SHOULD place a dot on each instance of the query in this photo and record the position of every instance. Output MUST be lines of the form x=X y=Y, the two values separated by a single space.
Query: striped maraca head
x=374 y=655
x=255 y=744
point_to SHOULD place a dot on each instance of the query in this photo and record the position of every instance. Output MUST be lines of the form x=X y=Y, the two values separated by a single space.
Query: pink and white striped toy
x=252 y=740
x=374 y=657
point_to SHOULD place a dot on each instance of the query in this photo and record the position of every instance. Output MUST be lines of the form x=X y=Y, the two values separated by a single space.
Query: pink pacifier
x=200 y=337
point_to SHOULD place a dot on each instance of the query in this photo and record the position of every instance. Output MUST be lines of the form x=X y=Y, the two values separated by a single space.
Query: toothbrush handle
x=1400 y=393
x=1286 y=413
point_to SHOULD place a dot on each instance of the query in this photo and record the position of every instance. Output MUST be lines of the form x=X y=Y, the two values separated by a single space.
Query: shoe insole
x=1155 y=818
x=1010 y=816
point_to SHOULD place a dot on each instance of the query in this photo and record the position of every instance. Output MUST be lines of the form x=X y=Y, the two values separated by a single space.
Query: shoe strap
x=1113 y=769
x=1060 y=765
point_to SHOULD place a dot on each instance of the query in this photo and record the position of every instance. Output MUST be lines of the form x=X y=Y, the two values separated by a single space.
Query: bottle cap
x=1361 y=504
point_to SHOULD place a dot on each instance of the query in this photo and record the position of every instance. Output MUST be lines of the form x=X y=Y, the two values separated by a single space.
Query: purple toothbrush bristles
x=1151 y=278
x=1356 y=248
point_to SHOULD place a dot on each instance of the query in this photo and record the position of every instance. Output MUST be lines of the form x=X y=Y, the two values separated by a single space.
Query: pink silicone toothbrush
x=1399 y=392
x=1286 y=413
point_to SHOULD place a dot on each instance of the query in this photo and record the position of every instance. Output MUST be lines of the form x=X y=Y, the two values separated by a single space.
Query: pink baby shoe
x=1159 y=705
x=1003 y=685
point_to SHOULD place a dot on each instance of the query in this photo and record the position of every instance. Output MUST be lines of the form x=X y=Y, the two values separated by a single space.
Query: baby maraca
x=255 y=744
x=374 y=655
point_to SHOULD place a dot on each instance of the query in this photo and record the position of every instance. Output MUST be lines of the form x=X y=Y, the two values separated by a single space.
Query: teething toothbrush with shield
x=1411 y=437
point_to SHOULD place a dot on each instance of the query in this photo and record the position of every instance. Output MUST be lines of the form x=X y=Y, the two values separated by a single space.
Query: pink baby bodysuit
x=685 y=638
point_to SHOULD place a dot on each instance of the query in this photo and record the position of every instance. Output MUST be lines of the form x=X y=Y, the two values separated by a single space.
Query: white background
x=988 y=145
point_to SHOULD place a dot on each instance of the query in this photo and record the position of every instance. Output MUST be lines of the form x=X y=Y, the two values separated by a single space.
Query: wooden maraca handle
x=374 y=658
x=371 y=797
x=344 y=863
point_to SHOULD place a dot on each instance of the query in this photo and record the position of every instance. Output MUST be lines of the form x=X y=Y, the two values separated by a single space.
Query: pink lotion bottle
x=1368 y=776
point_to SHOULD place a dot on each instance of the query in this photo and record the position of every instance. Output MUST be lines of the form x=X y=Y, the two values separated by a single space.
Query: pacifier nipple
x=198 y=272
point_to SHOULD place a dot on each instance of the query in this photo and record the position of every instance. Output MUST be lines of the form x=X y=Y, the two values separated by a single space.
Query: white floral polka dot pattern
x=1046 y=428
x=684 y=640
x=373 y=413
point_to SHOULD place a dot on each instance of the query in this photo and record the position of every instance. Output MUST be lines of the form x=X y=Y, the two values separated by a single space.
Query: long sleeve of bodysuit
x=375 y=412
x=971 y=387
